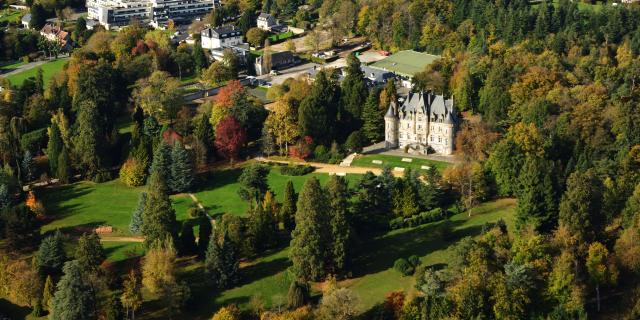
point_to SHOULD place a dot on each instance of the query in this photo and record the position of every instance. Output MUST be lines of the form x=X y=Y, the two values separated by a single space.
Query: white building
x=221 y=37
x=118 y=13
x=424 y=122
x=265 y=21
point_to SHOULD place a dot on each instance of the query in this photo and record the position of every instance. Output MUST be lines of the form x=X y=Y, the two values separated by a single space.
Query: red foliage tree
x=302 y=149
x=393 y=304
x=140 y=48
x=224 y=98
x=230 y=137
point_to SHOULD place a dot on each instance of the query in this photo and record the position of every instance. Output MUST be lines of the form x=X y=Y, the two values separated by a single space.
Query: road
x=332 y=168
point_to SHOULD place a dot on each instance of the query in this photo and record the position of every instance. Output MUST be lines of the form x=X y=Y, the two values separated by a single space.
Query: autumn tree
x=230 y=138
x=131 y=297
x=159 y=95
x=158 y=266
x=601 y=268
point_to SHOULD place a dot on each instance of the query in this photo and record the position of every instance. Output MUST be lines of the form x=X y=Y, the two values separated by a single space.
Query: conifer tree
x=28 y=166
x=88 y=140
x=90 y=253
x=51 y=256
x=54 y=147
x=353 y=94
x=159 y=218
x=288 y=209
x=187 y=239
x=204 y=235
x=161 y=162
x=182 y=170
x=135 y=225
x=47 y=293
x=308 y=244
x=63 y=172
x=21 y=229
x=5 y=196
x=221 y=261
x=298 y=295
x=317 y=112
x=74 y=298
x=537 y=200
x=338 y=194
x=373 y=126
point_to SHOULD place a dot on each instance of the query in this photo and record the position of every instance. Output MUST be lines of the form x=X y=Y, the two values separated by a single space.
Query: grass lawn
x=280 y=36
x=120 y=251
x=49 y=70
x=220 y=194
x=373 y=275
x=10 y=15
x=396 y=161
x=10 y=65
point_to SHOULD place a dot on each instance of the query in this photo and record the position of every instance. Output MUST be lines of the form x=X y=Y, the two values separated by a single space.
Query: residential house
x=220 y=37
x=265 y=21
x=277 y=61
x=54 y=33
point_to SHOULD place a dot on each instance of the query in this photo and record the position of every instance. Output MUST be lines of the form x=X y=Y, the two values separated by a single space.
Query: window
x=439 y=139
x=431 y=138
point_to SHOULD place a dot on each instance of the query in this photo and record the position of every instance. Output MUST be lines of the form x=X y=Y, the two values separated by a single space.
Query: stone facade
x=424 y=122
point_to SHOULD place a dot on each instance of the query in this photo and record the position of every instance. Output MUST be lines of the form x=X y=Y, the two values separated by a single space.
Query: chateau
x=424 y=122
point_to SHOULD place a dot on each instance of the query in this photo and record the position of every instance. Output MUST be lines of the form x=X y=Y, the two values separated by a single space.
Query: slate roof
x=226 y=31
x=436 y=107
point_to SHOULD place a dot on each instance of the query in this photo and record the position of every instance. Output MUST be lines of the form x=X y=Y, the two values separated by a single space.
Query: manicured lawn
x=119 y=251
x=11 y=65
x=220 y=194
x=373 y=274
x=49 y=69
x=280 y=36
x=11 y=16
x=395 y=161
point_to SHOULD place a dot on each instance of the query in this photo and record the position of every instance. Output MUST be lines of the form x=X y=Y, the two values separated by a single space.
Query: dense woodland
x=550 y=101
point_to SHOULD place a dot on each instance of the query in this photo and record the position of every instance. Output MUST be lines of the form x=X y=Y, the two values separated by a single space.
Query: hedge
x=296 y=170
x=436 y=214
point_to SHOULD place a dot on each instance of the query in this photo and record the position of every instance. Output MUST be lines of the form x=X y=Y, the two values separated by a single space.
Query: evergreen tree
x=90 y=253
x=63 y=172
x=222 y=262
x=187 y=239
x=74 y=298
x=21 y=229
x=338 y=195
x=54 y=147
x=537 y=200
x=182 y=171
x=88 y=140
x=28 y=166
x=159 y=218
x=373 y=121
x=5 y=197
x=580 y=206
x=135 y=226
x=353 y=94
x=161 y=162
x=200 y=60
x=260 y=229
x=51 y=257
x=298 y=295
x=204 y=235
x=203 y=131
x=288 y=209
x=309 y=238
x=47 y=293
x=317 y=112
x=253 y=183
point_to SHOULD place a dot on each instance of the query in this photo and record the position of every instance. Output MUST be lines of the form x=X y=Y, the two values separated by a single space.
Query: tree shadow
x=9 y=310
x=217 y=179
x=55 y=197
x=77 y=230
x=262 y=270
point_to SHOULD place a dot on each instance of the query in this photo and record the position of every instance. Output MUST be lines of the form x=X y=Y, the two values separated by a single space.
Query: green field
x=119 y=251
x=373 y=274
x=10 y=65
x=280 y=36
x=406 y=63
x=10 y=15
x=49 y=69
x=396 y=161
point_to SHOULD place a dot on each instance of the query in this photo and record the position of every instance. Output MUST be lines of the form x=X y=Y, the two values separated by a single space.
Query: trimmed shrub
x=132 y=173
x=296 y=170
x=403 y=266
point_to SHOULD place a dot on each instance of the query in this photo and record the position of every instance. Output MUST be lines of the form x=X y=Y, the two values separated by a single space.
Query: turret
x=391 y=127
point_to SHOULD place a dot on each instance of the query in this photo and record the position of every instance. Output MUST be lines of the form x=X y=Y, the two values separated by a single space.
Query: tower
x=391 y=127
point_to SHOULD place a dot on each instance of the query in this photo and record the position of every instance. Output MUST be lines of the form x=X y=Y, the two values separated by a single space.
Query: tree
x=338 y=195
x=5 y=197
x=355 y=142
x=64 y=167
x=580 y=206
x=159 y=95
x=373 y=122
x=131 y=298
x=627 y=249
x=48 y=293
x=354 y=92
x=51 y=256
x=204 y=235
x=182 y=171
x=339 y=304
x=267 y=142
x=90 y=253
x=158 y=266
x=537 y=199
x=54 y=147
x=601 y=268
x=318 y=111
x=74 y=297
x=187 y=239
x=217 y=74
x=135 y=225
x=221 y=261
x=288 y=209
x=133 y=173
x=253 y=183
x=282 y=122
x=159 y=218
x=161 y=163
x=200 y=59
x=38 y=16
x=88 y=140
x=230 y=137
x=255 y=36
x=298 y=295
x=21 y=230
x=22 y=283
x=309 y=238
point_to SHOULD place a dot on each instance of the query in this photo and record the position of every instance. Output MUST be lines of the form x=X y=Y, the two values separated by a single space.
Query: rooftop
x=406 y=63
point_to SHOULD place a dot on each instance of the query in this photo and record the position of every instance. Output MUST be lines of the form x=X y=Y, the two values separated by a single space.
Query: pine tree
x=47 y=293
x=221 y=261
x=261 y=229
x=373 y=126
x=88 y=140
x=161 y=162
x=28 y=166
x=187 y=239
x=204 y=235
x=135 y=226
x=90 y=253
x=338 y=194
x=353 y=94
x=54 y=147
x=537 y=200
x=199 y=58
x=159 y=218
x=74 y=298
x=308 y=244
x=182 y=170
x=288 y=209
x=317 y=112
x=51 y=257
x=63 y=172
